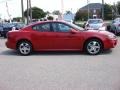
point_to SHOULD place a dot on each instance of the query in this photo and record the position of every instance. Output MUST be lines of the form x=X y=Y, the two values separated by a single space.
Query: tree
x=81 y=15
x=17 y=19
x=37 y=13
x=107 y=12
x=118 y=7
x=56 y=12
x=68 y=12
x=47 y=13
x=50 y=18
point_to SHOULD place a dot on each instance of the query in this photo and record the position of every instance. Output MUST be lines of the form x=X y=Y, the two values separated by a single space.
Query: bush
x=50 y=18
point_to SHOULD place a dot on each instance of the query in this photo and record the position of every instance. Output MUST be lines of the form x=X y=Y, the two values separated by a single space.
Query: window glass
x=60 y=27
x=55 y=27
x=42 y=27
x=63 y=28
x=95 y=21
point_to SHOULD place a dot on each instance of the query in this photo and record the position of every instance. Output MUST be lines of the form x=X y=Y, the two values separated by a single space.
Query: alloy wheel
x=25 y=48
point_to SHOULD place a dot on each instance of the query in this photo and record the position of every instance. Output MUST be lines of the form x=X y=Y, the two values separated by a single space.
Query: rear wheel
x=24 y=48
x=93 y=47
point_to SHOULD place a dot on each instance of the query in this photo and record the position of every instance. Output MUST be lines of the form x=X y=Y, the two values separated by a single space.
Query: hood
x=105 y=32
x=100 y=31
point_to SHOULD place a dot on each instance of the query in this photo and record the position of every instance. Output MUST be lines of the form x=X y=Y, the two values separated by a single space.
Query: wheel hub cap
x=93 y=47
x=24 y=48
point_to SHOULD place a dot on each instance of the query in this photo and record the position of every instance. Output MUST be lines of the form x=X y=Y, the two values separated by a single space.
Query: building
x=94 y=9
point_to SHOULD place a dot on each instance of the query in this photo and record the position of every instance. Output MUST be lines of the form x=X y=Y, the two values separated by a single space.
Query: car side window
x=55 y=27
x=60 y=27
x=42 y=27
x=63 y=27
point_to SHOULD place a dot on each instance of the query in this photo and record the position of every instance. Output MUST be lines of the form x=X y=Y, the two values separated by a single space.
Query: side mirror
x=73 y=31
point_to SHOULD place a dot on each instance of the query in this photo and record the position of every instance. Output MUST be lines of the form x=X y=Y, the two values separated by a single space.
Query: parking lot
x=59 y=70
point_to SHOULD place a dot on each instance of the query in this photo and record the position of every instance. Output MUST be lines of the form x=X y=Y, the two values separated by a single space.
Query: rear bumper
x=10 y=45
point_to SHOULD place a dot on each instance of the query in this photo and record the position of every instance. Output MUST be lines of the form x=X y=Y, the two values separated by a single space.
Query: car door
x=65 y=40
x=43 y=36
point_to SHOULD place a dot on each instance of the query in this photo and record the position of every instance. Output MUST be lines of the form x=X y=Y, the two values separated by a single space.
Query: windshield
x=95 y=21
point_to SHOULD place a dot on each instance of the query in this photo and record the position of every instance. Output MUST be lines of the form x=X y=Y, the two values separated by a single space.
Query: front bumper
x=110 y=43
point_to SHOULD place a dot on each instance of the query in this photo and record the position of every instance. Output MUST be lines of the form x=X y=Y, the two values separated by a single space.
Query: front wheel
x=24 y=48
x=93 y=47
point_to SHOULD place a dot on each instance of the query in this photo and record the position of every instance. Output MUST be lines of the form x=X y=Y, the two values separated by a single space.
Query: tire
x=24 y=48
x=93 y=47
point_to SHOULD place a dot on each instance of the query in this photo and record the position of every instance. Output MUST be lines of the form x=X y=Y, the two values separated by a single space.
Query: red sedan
x=59 y=36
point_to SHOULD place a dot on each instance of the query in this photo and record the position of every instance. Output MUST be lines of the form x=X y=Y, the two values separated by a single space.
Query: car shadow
x=105 y=52
x=9 y=53
x=50 y=53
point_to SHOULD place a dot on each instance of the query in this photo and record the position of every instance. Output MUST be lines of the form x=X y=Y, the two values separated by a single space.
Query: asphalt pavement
x=59 y=70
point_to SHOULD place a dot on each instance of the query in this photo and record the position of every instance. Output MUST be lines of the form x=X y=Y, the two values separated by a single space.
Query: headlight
x=111 y=36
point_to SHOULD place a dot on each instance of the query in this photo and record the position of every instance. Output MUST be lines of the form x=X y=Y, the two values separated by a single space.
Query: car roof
x=42 y=22
x=50 y=21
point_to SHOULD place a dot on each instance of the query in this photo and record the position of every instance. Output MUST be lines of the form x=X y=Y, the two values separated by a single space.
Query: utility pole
x=8 y=12
x=22 y=8
x=88 y=9
x=30 y=10
x=62 y=8
x=103 y=9
x=27 y=11
x=116 y=9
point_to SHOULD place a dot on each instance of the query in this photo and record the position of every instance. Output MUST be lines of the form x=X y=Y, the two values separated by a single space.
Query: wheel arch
x=23 y=40
x=92 y=39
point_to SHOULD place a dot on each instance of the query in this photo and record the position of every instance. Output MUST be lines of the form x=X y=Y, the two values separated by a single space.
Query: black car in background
x=6 y=27
x=1 y=29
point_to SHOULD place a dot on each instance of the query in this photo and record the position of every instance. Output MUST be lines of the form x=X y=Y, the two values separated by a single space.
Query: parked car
x=59 y=36
x=1 y=29
x=95 y=24
x=114 y=27
x=9 y=26
x=18 y=25
x=6 y=27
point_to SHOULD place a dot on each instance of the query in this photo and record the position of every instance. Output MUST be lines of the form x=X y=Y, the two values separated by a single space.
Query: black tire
x=93 y=47
x=24 y=48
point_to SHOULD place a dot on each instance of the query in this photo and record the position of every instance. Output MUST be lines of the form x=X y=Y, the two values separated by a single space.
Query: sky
x=14 y=6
